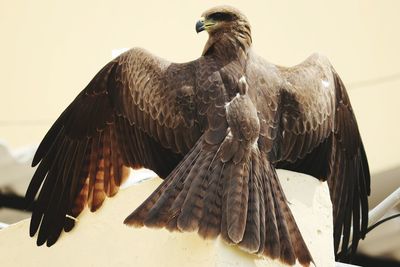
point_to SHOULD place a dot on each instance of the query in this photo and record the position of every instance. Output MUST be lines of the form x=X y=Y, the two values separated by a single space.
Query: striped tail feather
x=291 y=242
x=154 y=211
x=243 y=202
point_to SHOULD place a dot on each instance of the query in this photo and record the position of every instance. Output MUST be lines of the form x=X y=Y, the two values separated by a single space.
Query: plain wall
x=51 y=49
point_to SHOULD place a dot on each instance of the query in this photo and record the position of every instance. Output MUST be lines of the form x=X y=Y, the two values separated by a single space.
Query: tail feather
x=254 y=233
x=243 y=202
x=237 y=192
x=297 y=247
x=287 y=254
x=182 y=186
x=210 y=223
x=155 y=210
x=193 y=195
x=272 y=240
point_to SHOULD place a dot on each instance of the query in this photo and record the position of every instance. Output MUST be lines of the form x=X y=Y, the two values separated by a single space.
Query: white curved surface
x=100 y=239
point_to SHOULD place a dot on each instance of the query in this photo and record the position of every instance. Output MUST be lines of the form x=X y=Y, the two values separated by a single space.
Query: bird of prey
x=215 y=129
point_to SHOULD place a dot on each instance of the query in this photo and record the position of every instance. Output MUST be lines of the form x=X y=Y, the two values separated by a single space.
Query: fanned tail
x=292 y=244
x=155 y=210
x=240 y=200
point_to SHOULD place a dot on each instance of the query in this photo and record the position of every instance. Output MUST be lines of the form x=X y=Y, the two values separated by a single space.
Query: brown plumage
x=215 y=128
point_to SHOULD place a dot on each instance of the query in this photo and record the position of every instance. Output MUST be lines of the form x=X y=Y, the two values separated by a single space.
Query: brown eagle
x=215 y=129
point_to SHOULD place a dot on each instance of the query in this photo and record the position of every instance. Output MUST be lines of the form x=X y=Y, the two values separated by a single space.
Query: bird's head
x=222 y=19
x=225 y=21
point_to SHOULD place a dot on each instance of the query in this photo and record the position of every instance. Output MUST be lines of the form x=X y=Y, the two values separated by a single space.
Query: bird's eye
x=220 y=16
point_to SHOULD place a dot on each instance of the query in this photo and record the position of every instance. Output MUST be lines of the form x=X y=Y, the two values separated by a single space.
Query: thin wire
x=345 y=253
x=382 y=221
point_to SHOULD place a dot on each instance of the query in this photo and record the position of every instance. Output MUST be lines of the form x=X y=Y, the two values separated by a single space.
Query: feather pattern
x=216 y=128
x=108 y=127
x=214 y=191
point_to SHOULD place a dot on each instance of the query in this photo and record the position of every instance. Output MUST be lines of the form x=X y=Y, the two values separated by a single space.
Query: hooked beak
x=200 y=25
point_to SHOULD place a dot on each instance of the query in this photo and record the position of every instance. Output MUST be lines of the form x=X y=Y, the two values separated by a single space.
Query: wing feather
x=321 y=138
x=316 y=133
x=127 y=116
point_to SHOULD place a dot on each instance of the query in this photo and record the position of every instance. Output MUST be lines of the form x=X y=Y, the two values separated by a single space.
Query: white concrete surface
x=101 y=239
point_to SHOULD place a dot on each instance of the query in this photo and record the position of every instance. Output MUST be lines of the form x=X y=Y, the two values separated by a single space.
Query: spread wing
x=307 y=125
x=320 y=136
x=348 y=177
x=134 y=113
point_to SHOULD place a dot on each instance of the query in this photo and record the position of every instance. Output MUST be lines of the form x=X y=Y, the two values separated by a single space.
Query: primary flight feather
x=215 y=129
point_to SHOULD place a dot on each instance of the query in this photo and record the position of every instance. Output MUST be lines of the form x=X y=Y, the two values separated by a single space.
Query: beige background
x=50 y=49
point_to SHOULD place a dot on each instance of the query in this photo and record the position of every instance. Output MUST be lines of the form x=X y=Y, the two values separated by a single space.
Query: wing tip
x=133 y=221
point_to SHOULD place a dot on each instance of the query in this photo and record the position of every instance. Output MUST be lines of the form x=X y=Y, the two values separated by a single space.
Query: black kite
x=215 y=128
